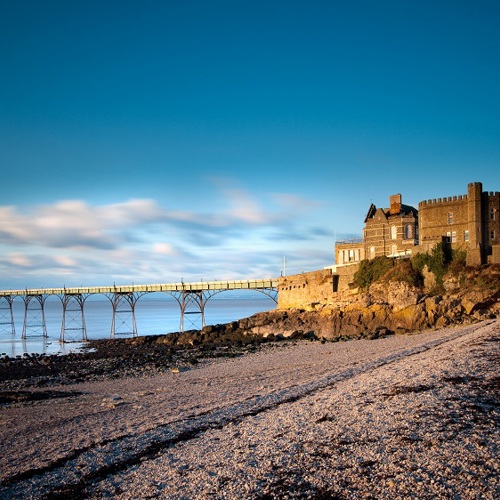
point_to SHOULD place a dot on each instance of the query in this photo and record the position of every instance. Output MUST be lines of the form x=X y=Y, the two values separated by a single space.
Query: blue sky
x=153 y=140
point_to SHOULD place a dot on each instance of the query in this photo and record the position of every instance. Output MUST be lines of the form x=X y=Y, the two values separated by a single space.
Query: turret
x=474 y=193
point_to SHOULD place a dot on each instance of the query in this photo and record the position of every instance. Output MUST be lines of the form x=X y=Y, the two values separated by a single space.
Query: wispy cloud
x=140 y=239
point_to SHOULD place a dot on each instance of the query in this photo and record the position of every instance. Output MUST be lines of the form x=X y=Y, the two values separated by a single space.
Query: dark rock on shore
x=137 y=356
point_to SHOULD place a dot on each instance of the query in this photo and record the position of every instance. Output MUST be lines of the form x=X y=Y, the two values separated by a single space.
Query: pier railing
x=191 y=297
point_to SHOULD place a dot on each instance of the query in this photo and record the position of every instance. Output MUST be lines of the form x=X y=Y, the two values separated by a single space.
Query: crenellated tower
x=475 y=225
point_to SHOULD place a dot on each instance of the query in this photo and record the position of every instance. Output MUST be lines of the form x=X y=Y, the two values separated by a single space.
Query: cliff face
x=386 y=308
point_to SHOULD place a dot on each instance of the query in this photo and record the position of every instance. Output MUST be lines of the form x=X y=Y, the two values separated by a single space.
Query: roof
x=405 y=210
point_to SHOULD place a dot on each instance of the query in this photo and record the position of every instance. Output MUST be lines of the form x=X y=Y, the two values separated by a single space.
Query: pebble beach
x=405 y=416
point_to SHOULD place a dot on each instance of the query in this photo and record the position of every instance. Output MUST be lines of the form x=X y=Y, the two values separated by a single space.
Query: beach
x=405 y=416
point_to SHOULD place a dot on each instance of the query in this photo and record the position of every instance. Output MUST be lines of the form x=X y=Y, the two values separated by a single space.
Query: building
x=391 y=231
x=469 y=222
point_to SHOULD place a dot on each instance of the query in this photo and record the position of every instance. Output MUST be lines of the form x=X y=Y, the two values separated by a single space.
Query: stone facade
x=470 y=222
x=392 y=232
x=305 y=288
x=316 y=287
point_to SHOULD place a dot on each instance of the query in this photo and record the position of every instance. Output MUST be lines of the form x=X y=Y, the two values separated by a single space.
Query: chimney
x=395 y=201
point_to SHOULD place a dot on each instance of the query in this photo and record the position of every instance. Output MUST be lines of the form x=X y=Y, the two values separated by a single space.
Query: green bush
x=458 y=263
x=372 y=270
x=404 y=271
x=419 y=261
x=436 y=261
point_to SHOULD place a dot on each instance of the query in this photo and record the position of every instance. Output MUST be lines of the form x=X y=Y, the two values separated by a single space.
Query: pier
x=191 y=297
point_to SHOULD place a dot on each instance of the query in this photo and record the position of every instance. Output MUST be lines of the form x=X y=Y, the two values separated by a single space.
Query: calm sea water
x=155 y=314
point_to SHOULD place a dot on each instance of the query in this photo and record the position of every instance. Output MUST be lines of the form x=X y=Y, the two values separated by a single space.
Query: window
x=372 y=252
x=448 y=237
x=453 y=236
x=408 y=232
x=492 y=214
x=466 y=235
x=394 y=232
x=492 y=234
x=450 y=218
x=394 y=250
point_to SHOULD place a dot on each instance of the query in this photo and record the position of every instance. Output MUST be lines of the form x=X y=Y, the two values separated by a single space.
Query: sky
x=153 y=141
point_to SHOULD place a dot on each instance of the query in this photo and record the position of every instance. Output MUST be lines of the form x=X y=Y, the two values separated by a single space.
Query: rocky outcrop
x=389 y=307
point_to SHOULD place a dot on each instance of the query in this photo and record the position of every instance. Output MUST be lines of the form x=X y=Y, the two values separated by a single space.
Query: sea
x=155 y=314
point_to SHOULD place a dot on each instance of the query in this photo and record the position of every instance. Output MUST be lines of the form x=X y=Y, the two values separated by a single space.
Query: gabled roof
x=405 y=210
x=371 y=212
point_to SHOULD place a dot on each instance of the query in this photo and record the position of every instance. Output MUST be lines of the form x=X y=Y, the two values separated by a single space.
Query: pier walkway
x=191 y=298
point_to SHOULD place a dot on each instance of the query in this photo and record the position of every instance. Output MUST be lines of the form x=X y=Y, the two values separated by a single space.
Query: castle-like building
x=469 y=222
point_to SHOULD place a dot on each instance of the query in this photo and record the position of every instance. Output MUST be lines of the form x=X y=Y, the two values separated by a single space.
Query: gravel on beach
x=406 y=416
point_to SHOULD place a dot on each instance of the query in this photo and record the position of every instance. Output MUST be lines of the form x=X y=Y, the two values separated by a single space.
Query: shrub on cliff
x=404 y=271
x=440 y=261
x=458 y=265
x=436 y=261
x=372 y=270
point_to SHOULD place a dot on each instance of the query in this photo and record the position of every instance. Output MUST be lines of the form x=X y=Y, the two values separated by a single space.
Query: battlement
x=441 y=201
x=493 y=195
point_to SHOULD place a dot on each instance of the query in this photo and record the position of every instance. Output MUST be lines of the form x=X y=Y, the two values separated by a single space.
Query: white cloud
x=18 y=259
x=64 y=260
x=245 y=208
x=13 y=225
x=164 y=249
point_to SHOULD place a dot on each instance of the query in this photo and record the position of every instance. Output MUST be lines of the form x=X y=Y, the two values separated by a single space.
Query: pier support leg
x=73 y=317
x=34 y=316
x=6 y=315
x=123 y=320
x=193 y=309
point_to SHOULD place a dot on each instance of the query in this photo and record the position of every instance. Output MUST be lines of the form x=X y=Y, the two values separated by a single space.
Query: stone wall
x=494 y=258
x=317 y=287
x=442 y=216
x=299 y=290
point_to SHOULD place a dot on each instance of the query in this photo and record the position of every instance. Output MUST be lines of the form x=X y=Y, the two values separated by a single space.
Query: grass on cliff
x=441 y=261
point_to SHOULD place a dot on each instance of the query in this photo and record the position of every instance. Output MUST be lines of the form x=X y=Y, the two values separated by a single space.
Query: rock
x=429 y=278
x=441 y=322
